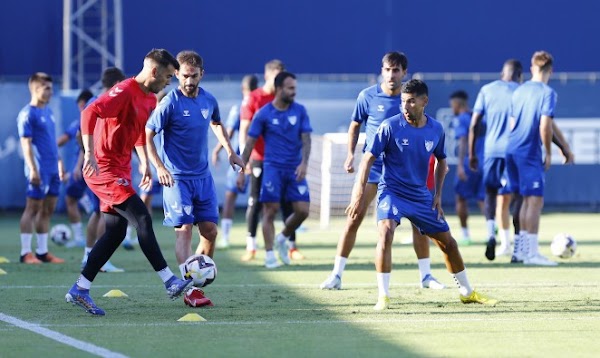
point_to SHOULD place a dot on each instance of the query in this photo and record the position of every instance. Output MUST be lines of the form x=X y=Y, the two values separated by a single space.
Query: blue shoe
x=82 y=299
x=176 y=286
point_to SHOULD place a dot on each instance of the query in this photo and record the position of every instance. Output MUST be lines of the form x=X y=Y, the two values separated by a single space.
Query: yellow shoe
x=476 y=297
x=249 y=255
x=383 y=303
x=296 y=255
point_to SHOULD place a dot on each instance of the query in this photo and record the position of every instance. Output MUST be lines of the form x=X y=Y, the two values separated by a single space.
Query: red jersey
x=118 y=120
x=431 y=174
x=256 y=100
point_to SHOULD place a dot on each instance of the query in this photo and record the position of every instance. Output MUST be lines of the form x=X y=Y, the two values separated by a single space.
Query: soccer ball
x=563 y=246
x=60 y=234
x=201 y=269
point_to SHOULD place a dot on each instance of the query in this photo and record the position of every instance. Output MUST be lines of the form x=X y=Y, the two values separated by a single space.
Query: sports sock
x=165 y=274
x=77 y=231
x=504 y=237
x=465 y=232
x=270 y=255
x=424 y=267
x=464 y=288
x=26 y=243
x=339 y=265
x=84 y=282
x=250 y=243
x=491 y=228
x=533 y=244
x=226 y=228
x=42 y=243
x=383 y=282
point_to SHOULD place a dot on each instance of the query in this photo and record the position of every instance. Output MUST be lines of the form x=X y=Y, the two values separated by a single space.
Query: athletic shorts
x=390 y=206
x=525 y=175
x=111 y=189
x=93 y=200
x=494 y=175
x=376 y=172
x=231 y=183
x=49 y=186
x=76 y=187
x=473 y=187
x=278 y=183
x=190 y=201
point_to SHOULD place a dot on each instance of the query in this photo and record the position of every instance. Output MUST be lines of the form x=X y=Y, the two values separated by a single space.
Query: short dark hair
x=281 y=77
x=111 y=76
x=275 y=64
x=460 y=94
x=251 y=81
x=162 y=57
x=190 y=58
x=39 y=77
x=84 y=95
x=395 y=58
x=416 y=87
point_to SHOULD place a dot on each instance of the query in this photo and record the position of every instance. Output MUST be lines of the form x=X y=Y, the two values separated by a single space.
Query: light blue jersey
x=182 y=123
x=39 y=125
x=233 y=123
x=406 y=151
x=461 y=124
x=282 y=133
x=530 y=102
x=494 y=102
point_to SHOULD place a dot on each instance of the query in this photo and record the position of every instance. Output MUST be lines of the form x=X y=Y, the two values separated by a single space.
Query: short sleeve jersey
x=39 y=125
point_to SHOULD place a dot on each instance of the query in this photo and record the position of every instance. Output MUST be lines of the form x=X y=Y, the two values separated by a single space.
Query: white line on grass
x=59 y=337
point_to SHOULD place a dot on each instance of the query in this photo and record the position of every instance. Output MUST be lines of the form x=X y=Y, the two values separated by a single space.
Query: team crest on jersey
x=204 y=112
x=275 y=121
x=186 y=112
x=293 y=120
x=429 y=145
x=187 y=209
x=302 y=189
x=380 y=108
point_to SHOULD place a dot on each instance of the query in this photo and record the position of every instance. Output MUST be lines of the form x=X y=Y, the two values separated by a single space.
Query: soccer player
x=249 y=84
x=533 y=105
x=407 y=141
x=111 y=127
x=494 y=102
x=285 y=127
x=189 y=198
x=43 y=169
x=373 y=105
x=468 y=183
x=76 y=186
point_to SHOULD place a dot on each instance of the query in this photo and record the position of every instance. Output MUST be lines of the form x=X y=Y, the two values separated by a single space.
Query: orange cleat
x=49 y=258
x=249 y=255
x=296 y=255
x=194 y=297
x=29 y=259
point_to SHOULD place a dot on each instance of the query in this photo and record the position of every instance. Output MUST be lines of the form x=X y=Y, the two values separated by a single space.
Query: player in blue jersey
x=249 y=84
x=373 y=105
x=182 y=120
x=285 y=127
x=76 y=186
x=43 y=169
x=407 y=141
x=493 y=103
x=468 y=184
x=532 y=113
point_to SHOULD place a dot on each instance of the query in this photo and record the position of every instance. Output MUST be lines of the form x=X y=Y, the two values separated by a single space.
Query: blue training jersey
x=406 y=151
x=39 y=125
x=282 y=133
x=461 y=124
x=494 y=102
x=182 y=124
x=372 y=107
x=71 y=132
x=530 y=102
x=233 y=123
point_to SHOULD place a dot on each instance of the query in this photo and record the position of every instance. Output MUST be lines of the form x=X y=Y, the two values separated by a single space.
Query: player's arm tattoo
x=306 y=144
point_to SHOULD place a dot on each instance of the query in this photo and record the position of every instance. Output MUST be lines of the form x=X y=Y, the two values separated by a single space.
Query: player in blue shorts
x=468 y=184
x=76 y=186
x=407 y=141
x=182 y=120
x=493 y=103
x=373 y=105
x=285 y=127
x=249 y=84
x=43 y=169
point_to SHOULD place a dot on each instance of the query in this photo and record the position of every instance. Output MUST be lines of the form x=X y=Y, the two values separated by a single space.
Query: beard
x=189 y=90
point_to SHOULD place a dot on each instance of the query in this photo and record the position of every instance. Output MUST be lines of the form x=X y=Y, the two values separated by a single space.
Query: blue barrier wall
x=315 y=36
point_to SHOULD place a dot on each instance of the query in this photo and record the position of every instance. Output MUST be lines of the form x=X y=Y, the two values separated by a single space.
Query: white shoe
x=281 y=245
x=333 y=282
x=432 y=283
x=109 y=267
x=271 y=264
x=504 y=251
x=539 y=260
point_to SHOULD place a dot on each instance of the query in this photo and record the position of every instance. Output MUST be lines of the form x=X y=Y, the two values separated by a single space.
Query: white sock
x=226 y=228
x=383 y=282
x=464 y=288
x=165 y=274
x=339 y=265
x=533 y=244
x=250 y=243
x=465 y=232
x=504 y=238
x=491 y=228
x=77 y=231
x=84 y=282
x=182 y=270
x=42 y=243
x=25 y=243
x=270 y=255
x=424 y=267
x=87 y=250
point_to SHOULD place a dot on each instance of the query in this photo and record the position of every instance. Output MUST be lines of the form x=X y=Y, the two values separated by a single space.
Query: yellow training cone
x=4 y=260
x=2 y=272
x=115 y=293
x=192 y=317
